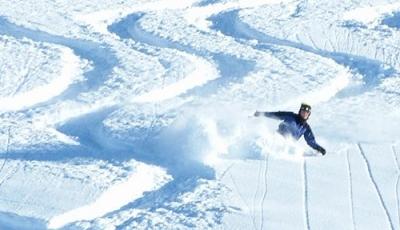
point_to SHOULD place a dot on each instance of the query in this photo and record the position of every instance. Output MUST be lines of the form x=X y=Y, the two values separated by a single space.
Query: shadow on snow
x=231 y=68
x=87 y=127
x=102 y=57
x=12 y=221
x=392 y=20
x=371 y=70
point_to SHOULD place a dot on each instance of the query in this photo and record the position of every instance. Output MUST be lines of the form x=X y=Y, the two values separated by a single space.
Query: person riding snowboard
x=295 y=125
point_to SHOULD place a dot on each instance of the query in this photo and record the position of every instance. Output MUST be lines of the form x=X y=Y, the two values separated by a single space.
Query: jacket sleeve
x=310 y=139
x=278 y=115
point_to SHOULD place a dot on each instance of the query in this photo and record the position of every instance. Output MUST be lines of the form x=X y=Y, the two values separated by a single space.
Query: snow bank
x=35 y=72
x=203 y=72
x=145 y=178
x=70 y=72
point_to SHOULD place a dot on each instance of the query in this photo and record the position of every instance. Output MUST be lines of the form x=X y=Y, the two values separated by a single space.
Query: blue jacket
x=294 y=126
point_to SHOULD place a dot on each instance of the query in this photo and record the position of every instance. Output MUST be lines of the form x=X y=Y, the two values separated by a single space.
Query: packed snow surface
x=138 y=114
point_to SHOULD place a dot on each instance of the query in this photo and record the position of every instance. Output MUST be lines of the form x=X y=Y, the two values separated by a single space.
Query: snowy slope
x=138 y=114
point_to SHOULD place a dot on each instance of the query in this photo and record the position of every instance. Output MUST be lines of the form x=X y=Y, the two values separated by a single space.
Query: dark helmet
x=305 y=107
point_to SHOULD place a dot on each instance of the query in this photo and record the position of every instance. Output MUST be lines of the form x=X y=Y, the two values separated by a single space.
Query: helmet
x=305 y=107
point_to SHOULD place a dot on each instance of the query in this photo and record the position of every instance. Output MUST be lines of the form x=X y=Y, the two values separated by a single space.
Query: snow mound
x=35 y=72
x=115 y=197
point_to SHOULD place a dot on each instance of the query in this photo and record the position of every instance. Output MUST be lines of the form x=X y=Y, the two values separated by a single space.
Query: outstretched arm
x=274 y=115
x=310 y=139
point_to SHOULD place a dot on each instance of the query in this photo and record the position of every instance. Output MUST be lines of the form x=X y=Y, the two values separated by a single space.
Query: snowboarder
x=295 y=125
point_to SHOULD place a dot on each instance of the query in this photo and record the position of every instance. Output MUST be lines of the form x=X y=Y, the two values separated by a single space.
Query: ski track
x=79 y=47
x=6 y=158
x=129 y=28
x=154 y=119
x=11 y=174
x=226 y=171
x=102 y=58
x=101 y=55
x=260 y=166
x=374 y=183
x=7 y=150
x=265 y=190
x=115 y=197
x=397 y=182
x=305 y=191
x=242 y=31
x=351 y=195
x=243 y=199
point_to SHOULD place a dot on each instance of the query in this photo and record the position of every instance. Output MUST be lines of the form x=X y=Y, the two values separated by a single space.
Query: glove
x=257 y=114
x=321 y=150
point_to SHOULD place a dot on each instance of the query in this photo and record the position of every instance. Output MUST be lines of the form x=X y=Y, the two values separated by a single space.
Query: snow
x=392 y=20
x=370 y=15
x=145 y=179
x=70 y=73
x=139 y=114
x=201 y=74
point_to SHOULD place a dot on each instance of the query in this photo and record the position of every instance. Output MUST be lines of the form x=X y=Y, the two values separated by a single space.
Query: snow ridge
x=115 y=197
x=71 y=68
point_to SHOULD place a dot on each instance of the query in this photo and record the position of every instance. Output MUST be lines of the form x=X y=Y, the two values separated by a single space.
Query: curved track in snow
x=102 y=57
x=351 y=196
x=396 y=161
x=222 y=70
x=200 y=58
x=230 y=24
x=378 y=192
